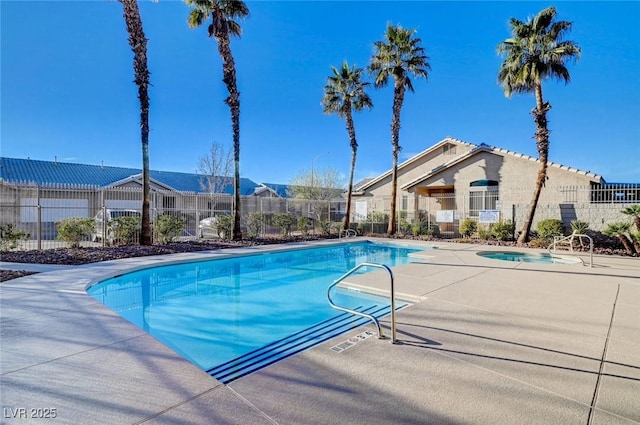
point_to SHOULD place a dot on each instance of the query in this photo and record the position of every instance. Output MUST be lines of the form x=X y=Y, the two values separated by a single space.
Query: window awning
x=483 y=183
x=432 y=190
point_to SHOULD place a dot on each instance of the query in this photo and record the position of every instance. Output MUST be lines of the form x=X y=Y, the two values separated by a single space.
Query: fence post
x=39 y=218
x=513 y=220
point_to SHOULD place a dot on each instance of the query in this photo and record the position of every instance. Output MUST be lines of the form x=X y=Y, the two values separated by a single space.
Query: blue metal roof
x=15 y=170
x=280 y=189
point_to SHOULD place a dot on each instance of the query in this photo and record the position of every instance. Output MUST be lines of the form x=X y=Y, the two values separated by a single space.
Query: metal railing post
x=369 y=316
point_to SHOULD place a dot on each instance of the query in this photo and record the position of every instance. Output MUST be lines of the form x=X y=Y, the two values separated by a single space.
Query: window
x=449 y=149
x=484 y=196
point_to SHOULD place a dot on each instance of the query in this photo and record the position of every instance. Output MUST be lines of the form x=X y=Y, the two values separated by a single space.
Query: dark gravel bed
x=78 y=256
x=13 y=274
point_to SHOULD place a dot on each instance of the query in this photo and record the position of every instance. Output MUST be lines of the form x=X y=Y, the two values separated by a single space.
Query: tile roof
x=15 y=170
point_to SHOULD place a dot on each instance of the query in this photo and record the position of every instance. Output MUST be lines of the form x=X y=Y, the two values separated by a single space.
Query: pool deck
x=485 y=342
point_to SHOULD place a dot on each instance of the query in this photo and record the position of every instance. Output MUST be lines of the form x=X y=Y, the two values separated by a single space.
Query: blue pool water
x=528 y=257
x=216 y=312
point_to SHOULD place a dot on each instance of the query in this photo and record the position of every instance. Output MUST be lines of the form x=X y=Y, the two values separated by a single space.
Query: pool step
x=292 y=344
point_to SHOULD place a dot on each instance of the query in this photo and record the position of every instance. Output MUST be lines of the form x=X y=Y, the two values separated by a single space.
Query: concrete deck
x=486 y=342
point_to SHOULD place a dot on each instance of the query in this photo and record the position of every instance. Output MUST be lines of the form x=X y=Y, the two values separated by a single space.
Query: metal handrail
x=571 y=237
x=369 y=316
x=347 y=233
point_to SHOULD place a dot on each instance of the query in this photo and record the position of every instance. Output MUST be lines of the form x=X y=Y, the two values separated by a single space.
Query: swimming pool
x=232 y=316
x=527 y=257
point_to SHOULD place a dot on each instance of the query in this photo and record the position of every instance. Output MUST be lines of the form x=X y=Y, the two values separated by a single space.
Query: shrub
x=550 y=227
x=620 y=230
x=325 y=227
x=538 y=243
x=303 y=225
x=579 y=226
x=284 y=221
x=406 y=227
x=168 y=228
x=74 y=230
x=503 y=230
x=10 y=237
x=125 y=229
x=255 y=224
x=468 y=227
x=224 y=226
x=432 y=230
x=378 y=217
x=484 y=233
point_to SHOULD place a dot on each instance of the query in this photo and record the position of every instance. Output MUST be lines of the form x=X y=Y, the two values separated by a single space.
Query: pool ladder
x=570 y=238
x=369 y=316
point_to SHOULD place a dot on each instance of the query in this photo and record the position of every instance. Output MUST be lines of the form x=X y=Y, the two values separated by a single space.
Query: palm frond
x=536 y=51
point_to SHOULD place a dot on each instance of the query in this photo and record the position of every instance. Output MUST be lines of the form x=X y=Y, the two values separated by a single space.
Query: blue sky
x=67 y=89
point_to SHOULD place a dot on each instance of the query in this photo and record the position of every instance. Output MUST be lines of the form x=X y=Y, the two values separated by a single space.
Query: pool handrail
x=369 y=316
x=570 y=239
x=347 y=233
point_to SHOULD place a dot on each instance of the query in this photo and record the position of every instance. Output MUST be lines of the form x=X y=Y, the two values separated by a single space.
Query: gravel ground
x=77 y=256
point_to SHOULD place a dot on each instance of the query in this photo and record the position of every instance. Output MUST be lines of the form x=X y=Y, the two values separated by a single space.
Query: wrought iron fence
x=38 y=210
x=596 y=205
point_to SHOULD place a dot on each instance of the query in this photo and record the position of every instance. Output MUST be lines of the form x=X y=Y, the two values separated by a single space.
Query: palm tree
x=344 y=93
x=633 y=211
x=535 y=52
x=399 y=56
x=224 y=15
x=620 y=231
x=138 y=43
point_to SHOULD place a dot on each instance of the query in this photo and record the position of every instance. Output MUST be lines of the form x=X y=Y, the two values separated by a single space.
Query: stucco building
x=453 y=180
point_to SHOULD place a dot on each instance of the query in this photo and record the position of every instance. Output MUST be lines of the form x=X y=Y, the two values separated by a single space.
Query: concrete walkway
x=485 y=342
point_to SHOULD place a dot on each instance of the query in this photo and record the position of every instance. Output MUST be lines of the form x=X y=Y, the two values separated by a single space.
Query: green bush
x=169 y=227
x=10 y=237
x=550 y=227
x=74 y=230
x=503 y=230
x=325 y=227
x=224 y=226
x=255 y=224
x=468 y=227
x=417 y=229
x=378 y=217
x=579 y=226
x=538 y=243
x=125 y=230
x=484 y=233
x=303 y=225
x=432 y=230
x=405 y=226
x=284 y=221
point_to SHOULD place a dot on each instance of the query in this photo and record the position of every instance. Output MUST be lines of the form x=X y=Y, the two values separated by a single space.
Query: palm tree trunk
x=354 y=149
x=229 y=78
x=138 y=43
x=542 y=143
x=635 y=241
x=398 y=98
x=625 y=242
